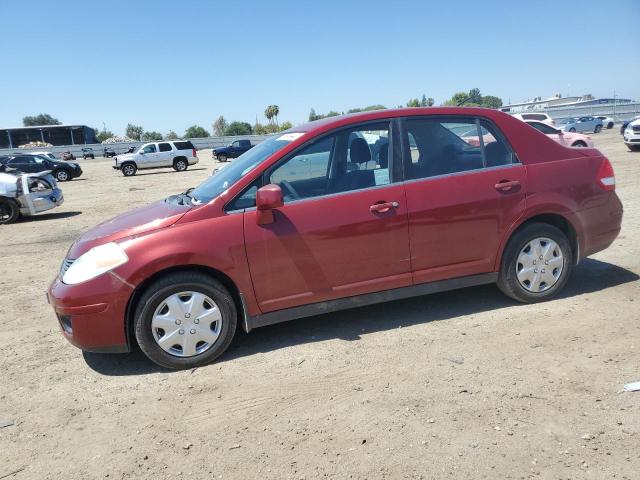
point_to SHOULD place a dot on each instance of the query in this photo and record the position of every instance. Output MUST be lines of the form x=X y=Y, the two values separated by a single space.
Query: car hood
x=155 y=216
x=125 y=156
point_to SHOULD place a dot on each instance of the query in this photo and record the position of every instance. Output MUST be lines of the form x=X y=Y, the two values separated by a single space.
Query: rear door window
x=442 y=146
x=165 y=147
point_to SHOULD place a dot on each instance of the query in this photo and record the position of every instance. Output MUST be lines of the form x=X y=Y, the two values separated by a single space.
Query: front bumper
x=92 y=314
x=631 y=138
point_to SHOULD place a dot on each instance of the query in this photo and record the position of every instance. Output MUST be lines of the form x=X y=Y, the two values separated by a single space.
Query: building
x=53 y=134
x=557 y=101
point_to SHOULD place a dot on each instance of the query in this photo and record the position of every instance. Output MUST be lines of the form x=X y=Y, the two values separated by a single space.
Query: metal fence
x=98 y=148
x=619 y=111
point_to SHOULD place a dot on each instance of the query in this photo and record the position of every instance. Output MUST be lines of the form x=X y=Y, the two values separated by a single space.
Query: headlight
x=95 y=262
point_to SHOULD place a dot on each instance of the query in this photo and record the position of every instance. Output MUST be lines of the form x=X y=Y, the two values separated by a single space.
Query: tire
x=222 y=157
x=633 y=148
x=63 y=175
x=522 y=239
x=129 y=169
x=609 y=125
x=597 y=129
x=9 y=211
x=154 y=301
x=572 y=130
x=579 y=143
x=180 y=164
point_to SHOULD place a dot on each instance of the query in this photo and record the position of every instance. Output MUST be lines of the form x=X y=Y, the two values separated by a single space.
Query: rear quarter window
x=184 y=145
x=534 y=116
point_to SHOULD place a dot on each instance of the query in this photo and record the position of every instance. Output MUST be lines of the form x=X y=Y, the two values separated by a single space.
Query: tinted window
x=184 y=145
x=164 y=147
x=348 y=160
x=236 y=143
x=445 y=146
x=543 y=127
x=534 y=116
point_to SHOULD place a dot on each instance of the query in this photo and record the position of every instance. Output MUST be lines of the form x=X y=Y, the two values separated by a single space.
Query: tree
x=103 y=135
x=490 y=101
x=366 y=109
x=134 y=131
x=475 y=97
x=430 y=102
x=414 y=102
x=457 y=98
x=151 y=136
x=286 y=126
x=219 y=126
x=195 y=131
x=171 y=135
x=313 y=115
x=238 y=128
x=272 y=112
x=41 y=119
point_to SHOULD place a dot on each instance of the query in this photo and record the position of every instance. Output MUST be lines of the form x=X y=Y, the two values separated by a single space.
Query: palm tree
x=272 y=112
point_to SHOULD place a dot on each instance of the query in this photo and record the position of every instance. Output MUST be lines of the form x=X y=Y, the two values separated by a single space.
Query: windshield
x=223 y=179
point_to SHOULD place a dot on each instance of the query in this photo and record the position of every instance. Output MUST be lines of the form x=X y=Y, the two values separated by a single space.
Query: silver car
x=582 y=124
x=27 y=194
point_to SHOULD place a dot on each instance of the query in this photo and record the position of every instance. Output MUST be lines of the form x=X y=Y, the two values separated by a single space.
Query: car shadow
x=50 y=216
x=590 y=276
x=139 y=174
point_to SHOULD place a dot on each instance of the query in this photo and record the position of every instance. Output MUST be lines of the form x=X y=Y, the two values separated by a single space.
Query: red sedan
x=335 y=214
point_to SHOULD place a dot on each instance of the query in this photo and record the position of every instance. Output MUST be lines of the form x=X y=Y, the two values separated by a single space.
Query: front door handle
x=507 y=185
x=382 y=207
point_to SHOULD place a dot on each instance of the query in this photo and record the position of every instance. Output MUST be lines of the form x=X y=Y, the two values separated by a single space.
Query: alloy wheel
x=539 y=265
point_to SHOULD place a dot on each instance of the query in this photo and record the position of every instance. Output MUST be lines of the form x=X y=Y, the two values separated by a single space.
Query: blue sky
x=167 y=65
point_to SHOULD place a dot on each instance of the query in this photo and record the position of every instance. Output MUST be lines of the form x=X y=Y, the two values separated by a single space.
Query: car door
x=148 y=156
x=341 y=232
x=234 y=150
x=165 y=154
x=464 y=190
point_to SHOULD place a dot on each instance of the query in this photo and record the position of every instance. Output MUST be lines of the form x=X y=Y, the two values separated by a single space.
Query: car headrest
x=495 y=154
x=359 y=151
x=383 y=155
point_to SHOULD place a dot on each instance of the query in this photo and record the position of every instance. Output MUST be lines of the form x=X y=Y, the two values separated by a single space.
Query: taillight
x=194 y=153
x=606 y=178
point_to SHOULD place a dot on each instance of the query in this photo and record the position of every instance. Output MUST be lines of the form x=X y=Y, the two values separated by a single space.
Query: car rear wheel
x=579 y=144
x=609 y=125
x=180 y=165
x=572 y=129
x=536 y=263
x=185 y=320
x=222 y=157
x=63 y=175
x=129 y=169
x=597 y=129
x=9 y=211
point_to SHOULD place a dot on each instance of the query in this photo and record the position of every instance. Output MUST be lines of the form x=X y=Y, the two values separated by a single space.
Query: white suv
x=177 y=154
x=537 y=117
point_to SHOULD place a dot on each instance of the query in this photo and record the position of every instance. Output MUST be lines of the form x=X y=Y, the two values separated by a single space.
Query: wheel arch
x=558 y=220
x=221 y=277
x=180 y=157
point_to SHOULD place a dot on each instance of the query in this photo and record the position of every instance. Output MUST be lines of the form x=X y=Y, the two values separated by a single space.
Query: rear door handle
x=382 y=207
x=507 y=185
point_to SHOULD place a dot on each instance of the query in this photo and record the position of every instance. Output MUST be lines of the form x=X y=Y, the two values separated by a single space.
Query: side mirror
x=268 y=198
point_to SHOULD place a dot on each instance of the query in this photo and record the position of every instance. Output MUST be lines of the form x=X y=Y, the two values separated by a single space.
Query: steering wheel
x=290 y=189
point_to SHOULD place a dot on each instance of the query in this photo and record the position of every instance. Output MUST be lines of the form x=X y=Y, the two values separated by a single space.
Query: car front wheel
x=597 y=129
x=222 y=157
x=63 y=175
x=185 y=320
x=536 y=263
x=129 y=169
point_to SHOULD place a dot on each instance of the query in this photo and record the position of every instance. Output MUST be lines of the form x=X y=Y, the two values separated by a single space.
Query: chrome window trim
x=465 y=172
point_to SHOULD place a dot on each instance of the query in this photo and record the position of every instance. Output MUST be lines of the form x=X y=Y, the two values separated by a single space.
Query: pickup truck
x=233 y=150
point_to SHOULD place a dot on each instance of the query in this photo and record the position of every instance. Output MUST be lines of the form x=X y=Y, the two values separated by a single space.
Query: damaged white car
x=27 y=194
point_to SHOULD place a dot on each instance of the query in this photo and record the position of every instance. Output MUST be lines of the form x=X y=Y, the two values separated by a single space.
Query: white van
x=538 y=117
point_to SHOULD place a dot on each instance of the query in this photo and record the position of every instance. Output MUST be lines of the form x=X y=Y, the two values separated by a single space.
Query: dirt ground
x=465 y=384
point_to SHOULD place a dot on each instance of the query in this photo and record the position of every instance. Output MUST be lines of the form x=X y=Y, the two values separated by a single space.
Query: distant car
x=67 y=156
x=88 y=153
x=632 y=135
x=178 y=154
x=42 y=194
x=49 y=155
x=536 y=117
x=568 y=139
x=623 y=127
x=28 y=163
x=233 y=150
x=582 y=124
x=108 y=152
x=607 y=122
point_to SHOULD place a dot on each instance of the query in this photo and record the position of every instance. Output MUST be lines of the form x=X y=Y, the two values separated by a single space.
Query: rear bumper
x=601 y=225
x=92 y=314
